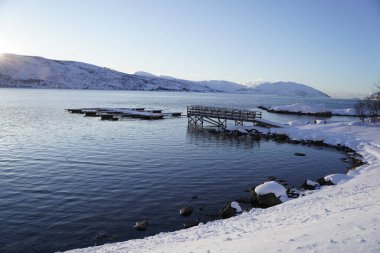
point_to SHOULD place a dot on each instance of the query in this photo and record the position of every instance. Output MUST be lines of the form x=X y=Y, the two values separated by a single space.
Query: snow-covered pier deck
x=118 y=113
x=217 y=116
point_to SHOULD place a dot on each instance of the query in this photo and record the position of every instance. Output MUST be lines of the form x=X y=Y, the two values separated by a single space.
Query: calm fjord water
x=64 y=178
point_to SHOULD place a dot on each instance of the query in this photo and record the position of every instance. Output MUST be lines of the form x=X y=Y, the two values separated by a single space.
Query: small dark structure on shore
x=218 y=117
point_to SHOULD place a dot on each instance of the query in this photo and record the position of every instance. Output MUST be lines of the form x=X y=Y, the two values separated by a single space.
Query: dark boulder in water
x=318 y=143
x=227 y=212
x=244 y=200
x=231 y=210
x=141 y=225
x=282 y=182
x=213 y=216
x=299 y=154
x=186 y=211
x=265 y=198
x=191 y=224
x=101 y=236
x=294 y=193
x=268 y=200
x=357 y=162
x=322 y=181
x=310 y=185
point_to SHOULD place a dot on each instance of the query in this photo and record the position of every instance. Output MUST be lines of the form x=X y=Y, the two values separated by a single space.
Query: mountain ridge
x=39 y=72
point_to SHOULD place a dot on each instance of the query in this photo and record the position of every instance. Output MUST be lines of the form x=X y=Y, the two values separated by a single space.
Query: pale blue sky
x=332 y=45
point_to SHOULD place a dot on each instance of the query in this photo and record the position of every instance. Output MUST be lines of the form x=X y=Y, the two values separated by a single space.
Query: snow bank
x=312 y=108
x=339 y=218
x=348 y=111
x=299 y=107
x=297 y=123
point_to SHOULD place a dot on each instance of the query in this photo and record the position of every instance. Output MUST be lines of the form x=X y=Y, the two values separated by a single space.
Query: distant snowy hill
x=38 y=72
x=222 y=86
x=285 y=89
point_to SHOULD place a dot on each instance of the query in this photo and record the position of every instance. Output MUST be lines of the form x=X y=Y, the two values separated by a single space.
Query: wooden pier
x=218 y=117
x=119 y=113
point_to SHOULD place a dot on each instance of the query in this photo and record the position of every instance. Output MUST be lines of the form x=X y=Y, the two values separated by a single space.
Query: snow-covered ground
x=311 y=108
x=339 y=218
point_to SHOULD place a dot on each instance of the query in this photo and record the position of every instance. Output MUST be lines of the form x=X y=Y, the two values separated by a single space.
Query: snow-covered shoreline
x=309 y=109
x=340 y=218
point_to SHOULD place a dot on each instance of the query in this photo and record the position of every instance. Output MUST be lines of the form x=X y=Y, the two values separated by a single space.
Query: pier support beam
x=195 y=120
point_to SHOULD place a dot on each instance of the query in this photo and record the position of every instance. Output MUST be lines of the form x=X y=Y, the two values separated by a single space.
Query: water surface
x=64 y=178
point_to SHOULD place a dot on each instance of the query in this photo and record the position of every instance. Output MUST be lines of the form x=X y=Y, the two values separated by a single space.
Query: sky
x=331 y=45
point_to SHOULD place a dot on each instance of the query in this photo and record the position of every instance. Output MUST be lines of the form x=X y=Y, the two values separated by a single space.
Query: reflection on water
x=197 y=135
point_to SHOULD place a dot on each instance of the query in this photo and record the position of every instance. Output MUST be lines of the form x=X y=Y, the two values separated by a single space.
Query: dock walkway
x=217 y=116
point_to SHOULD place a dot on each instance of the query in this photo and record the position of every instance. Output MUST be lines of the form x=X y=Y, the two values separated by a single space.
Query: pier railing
x=223 y=113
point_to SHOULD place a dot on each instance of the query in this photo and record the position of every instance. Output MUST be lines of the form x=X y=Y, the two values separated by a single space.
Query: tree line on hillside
x=369 y=106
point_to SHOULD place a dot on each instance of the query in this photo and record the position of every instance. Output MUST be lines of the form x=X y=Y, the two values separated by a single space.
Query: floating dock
x=119 y=113
x=218 y=117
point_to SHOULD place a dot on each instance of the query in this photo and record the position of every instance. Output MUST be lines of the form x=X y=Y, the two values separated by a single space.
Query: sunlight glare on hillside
x=2 y=49
x=5 y=47
x=2 y=57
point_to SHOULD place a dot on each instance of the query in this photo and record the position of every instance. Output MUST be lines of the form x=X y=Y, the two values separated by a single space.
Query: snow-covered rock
x=271 y=187
x=311 y=182
x=270 y=193
x=310 y=185
x=337 y=178
x=230 y=210
x=237 y=207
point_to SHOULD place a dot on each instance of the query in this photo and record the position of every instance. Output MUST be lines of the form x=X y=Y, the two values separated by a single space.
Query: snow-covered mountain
x=221 y=86
x=285 y=89
x=38 y=72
